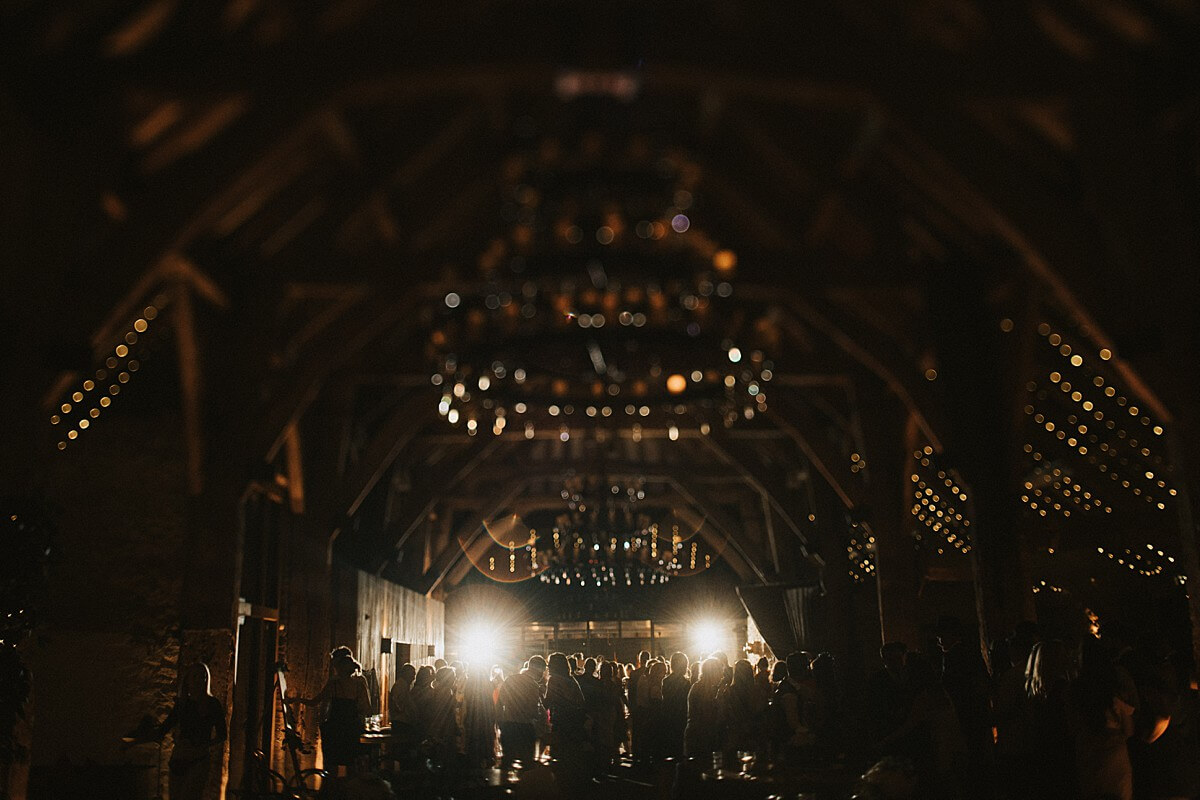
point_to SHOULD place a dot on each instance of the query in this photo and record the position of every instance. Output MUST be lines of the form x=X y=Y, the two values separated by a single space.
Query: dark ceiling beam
x=754 y=222
x=400 y=427
x=742 y=556
x=824 y=456
x=670 y=79
x=653 y=473
x=763 y=480
x=429 y=487
x=371 y=319
x=877 y=353
x=940 y=180
x=466 y=540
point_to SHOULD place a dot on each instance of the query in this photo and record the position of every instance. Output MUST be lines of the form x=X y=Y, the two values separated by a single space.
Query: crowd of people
x=1099 y=718
x=584 y=713
x=1095 y=719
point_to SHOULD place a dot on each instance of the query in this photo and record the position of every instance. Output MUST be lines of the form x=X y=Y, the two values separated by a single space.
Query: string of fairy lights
x=860 y=553
x=939 y=505
x=97 y=392
x=1092 y=448
x=1078 y=410
x=645 y=332
x=1149 y=563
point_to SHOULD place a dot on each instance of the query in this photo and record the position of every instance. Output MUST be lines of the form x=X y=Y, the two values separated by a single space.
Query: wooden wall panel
x=386 y=609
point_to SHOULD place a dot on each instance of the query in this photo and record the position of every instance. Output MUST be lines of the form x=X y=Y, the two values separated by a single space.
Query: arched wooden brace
x=469 y=536
x=735 y=454
x=402 y=425
x=446 y=476
x=866 y=347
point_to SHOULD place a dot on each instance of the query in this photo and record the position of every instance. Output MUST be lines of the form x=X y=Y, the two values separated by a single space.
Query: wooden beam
x=741 y=555
x=804 y=430
x=404 y=423
x=295 y=469
x=467 y=538
x=188 y=348
x=935 y=176
x=442 y=479
x=766 y=484
x=871 y=354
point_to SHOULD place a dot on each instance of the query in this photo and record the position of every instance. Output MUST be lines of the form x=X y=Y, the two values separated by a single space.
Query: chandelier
x=607 y=536
x=609 y=532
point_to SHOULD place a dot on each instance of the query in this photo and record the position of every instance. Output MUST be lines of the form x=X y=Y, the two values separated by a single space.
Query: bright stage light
x=479 y=642
x=708 y=635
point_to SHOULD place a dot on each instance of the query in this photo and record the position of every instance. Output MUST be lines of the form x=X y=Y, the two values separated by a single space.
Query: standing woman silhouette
x=199 y=720
x=349 y=701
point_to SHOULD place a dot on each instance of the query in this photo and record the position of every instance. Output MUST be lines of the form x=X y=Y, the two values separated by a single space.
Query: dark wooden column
x=974 y=372
x=890 y=435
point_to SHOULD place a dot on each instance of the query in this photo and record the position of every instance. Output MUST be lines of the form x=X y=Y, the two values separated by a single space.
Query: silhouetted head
x=406 y=674
x=443 y=679
x=1050 y=664
x=711 y=671
x=537 y=666
x=679 y=662
x=921 y=672
x=743 y=673
x=424 y=677
x=643 y=658
x=779 y=673
x=197 y=681
x=797 y=664
x=824 y=670
x=949 y=632
x=1024 y=636
x=558 y=665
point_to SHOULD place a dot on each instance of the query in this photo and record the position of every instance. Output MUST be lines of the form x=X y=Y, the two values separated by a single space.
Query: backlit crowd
x=1095 y=719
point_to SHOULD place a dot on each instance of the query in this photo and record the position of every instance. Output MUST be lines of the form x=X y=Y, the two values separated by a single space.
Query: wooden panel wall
x=388 y=610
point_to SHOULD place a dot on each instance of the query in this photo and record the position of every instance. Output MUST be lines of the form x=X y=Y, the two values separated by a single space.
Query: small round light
x=677 y=384
x=735 y=355
x=453 y=300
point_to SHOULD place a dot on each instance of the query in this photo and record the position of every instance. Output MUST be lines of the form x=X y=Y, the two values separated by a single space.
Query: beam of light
x=479 y=642
x=707 y=635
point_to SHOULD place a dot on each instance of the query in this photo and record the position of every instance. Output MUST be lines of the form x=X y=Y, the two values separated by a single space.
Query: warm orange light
x=676 y=384
x=724 y=260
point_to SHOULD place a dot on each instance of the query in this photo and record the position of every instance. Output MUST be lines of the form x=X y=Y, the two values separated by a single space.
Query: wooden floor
x=664 y=780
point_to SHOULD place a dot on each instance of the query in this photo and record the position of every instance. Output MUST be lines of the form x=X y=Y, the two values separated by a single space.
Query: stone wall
x=108 y=649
